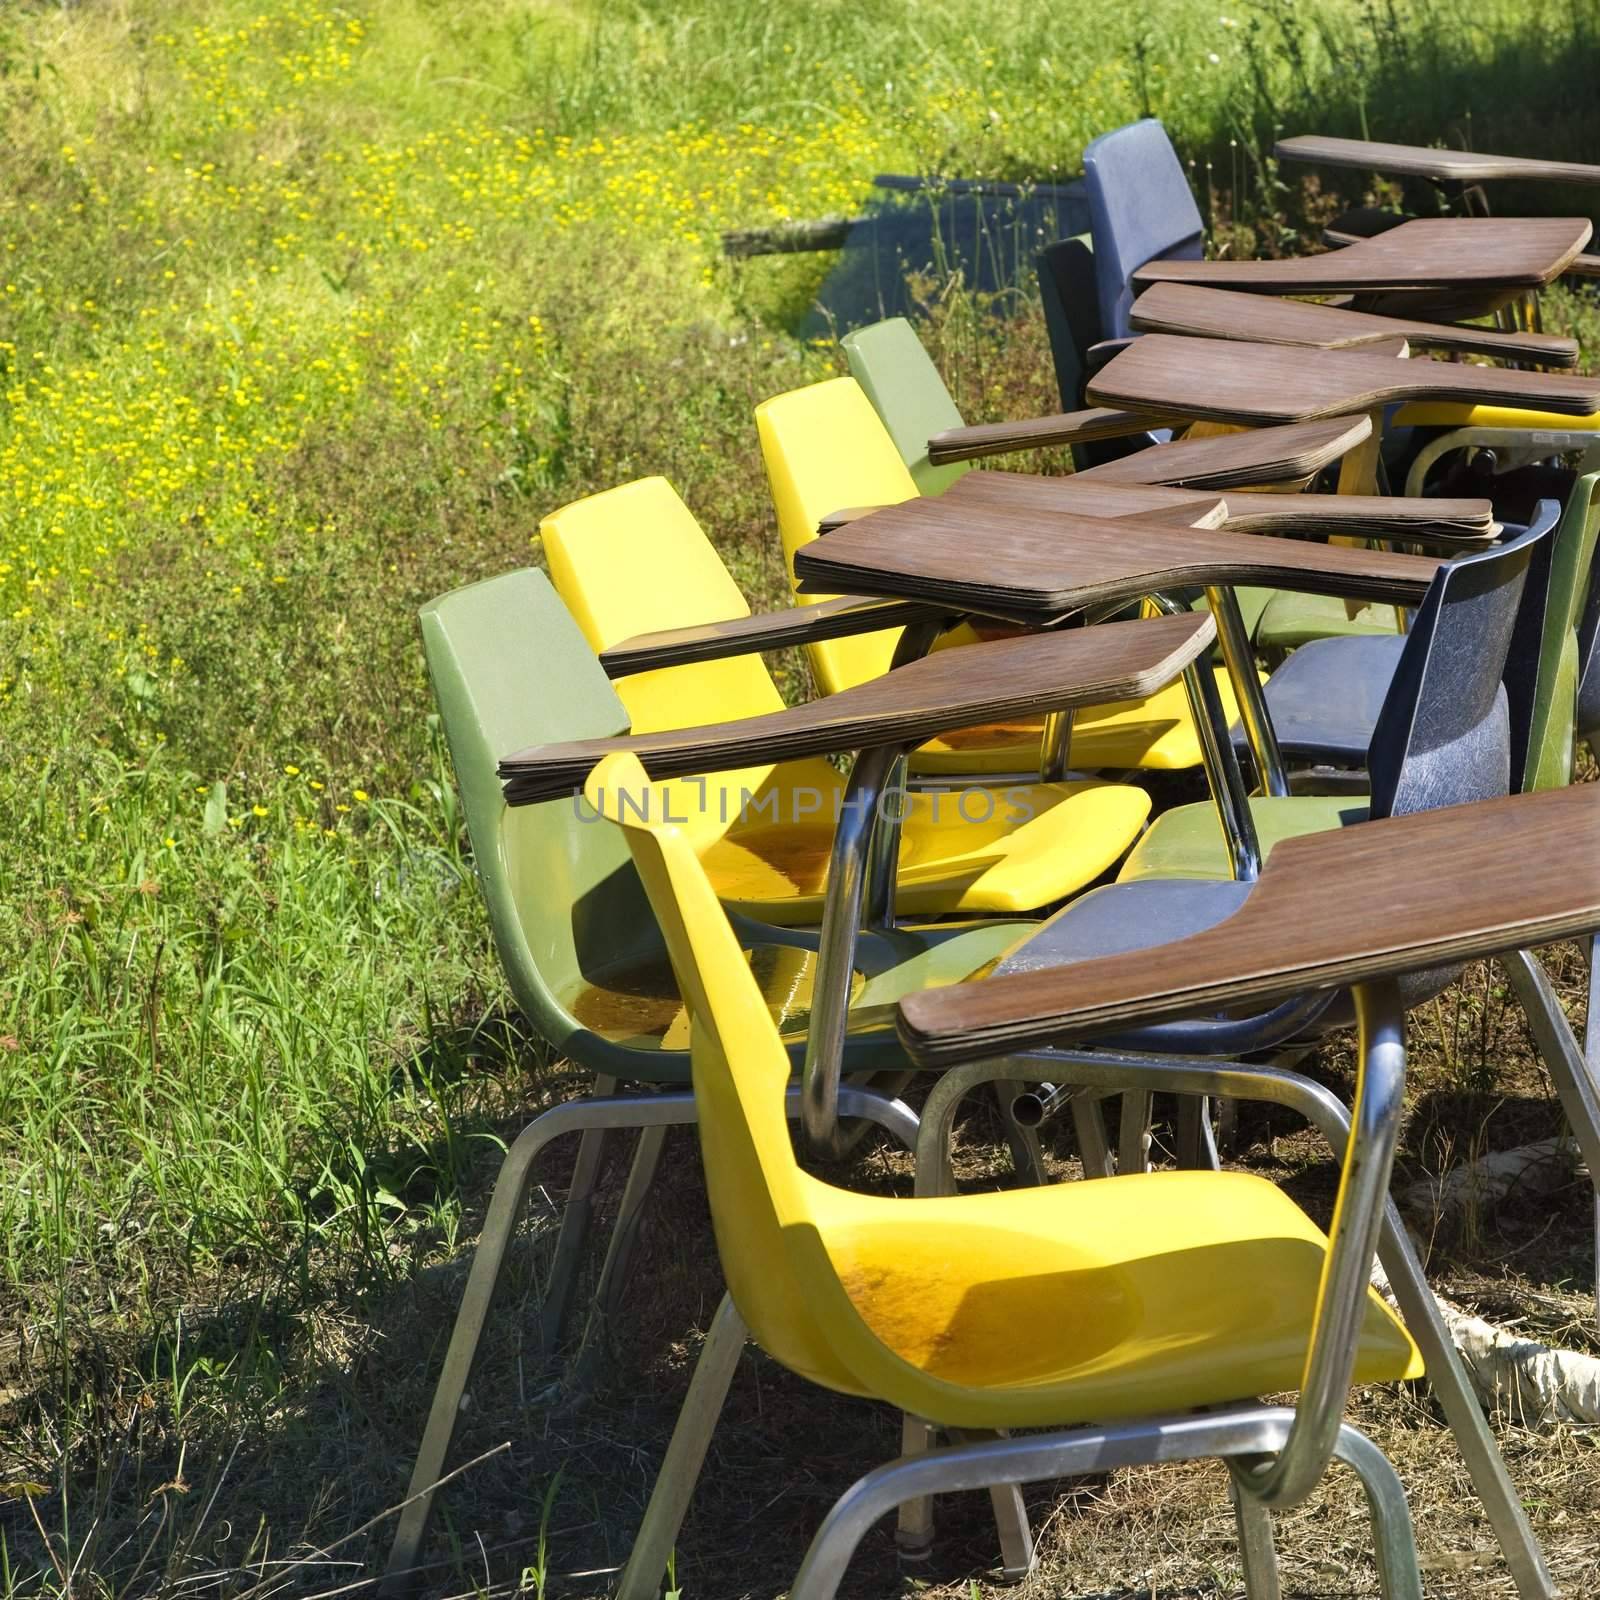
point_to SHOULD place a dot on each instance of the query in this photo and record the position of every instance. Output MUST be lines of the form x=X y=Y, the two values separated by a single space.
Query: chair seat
x=1252 y=601
x=1119 y=917
x=974 y=849
x=1291 y=620
x=1187 y=841
x=1156 y=733
x=637 y=1003
x=1444 y=414
x=1325 y=700
x=1090 y=1301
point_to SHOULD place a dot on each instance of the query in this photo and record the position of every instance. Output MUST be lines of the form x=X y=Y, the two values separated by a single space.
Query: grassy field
x=308 y=312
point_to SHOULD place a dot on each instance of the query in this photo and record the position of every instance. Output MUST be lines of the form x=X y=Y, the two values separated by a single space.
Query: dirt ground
x=784 y=1449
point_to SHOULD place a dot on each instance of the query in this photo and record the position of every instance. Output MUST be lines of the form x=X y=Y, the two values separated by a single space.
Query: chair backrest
x=634 y=560
x=1070 y=295
x=826 y=450
x=1447 y=731
x=1140 y=209
x=740 y=1071
x=898 y=377
x=509 y=669
x=1560 y=658
x=1071 y=299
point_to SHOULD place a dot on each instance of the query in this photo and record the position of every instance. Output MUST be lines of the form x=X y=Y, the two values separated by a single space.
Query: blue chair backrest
x=1462 y=694
x=1140 y=209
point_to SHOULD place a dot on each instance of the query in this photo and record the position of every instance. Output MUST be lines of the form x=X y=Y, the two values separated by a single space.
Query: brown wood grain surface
x=1291 y=454
x=1036 y=433
x=708 y=641
x=1443 y=522
x=1223 y=381
x=1023 y=565
x=1477 y=879
x=992 y=681
x=1202 y=313
x=1452 y=255
x=1419 y=161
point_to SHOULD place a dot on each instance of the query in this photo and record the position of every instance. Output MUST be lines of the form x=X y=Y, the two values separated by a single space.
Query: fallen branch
x=789 y=238
x=1534 y=1382
x=1441 y=1204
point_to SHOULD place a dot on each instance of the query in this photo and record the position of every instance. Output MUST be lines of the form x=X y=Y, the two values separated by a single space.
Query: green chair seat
x=1187 y=841
x=1287 y=621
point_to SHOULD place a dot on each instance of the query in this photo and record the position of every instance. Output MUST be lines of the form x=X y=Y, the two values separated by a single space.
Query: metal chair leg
x=1573 y=1068
x=1010 y=1513
x=1394 y=1541
x=686 y=1454
x=1257 y=1554
x=510 y=1190
x=1197 y=1146
x=575 y=1219
x=619 y=1252
x=1030 y=1458
x=1133 y=1132
x=913 y=1534
x=1089 y=1126
x=1464 y=1417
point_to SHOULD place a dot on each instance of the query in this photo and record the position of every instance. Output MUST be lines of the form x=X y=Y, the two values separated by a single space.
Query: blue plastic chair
x=1443 y=736
x=1324 y=700
x=1140 y=209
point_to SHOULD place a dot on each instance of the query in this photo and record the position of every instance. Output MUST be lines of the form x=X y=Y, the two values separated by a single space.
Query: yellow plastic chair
x=826 y=449
x=1130 y=1301
x=634 y=560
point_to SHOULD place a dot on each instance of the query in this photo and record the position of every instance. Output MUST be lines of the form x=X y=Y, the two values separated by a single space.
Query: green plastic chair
x=1289 y=620
x=1553 y=734
x=889 y=362
x=585 y=960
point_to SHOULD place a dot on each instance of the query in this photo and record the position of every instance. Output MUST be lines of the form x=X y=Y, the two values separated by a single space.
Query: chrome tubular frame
x=1239 y=659
x=1513 y=442
x=1116 y=1072
x=642 y=1111
x=1055 y=748
x=841 y=923
x=1352 y=1241
x=1223 y=777
x=1240 y=1431
x=1573 y=1068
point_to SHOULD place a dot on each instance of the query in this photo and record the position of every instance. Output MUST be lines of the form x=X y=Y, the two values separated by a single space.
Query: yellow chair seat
x=1119 y=1297
x=1156 y=733
x=633 y=560
x=973 y=849
x=1090 y=1301
x=1443 y=414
